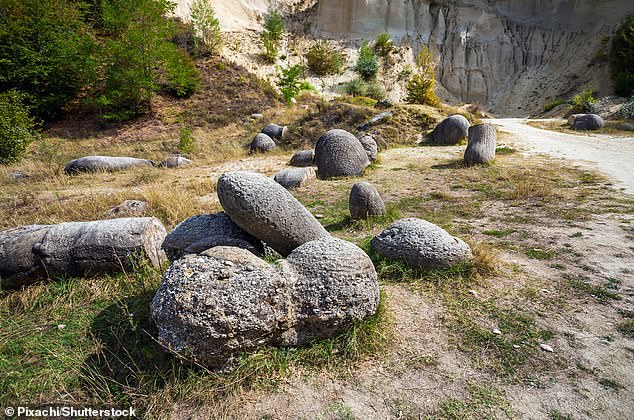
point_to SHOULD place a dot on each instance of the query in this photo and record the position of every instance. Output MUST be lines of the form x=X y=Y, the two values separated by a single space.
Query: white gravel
x=614 y=156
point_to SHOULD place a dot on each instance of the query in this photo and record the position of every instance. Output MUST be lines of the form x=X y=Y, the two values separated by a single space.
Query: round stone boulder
x=226 y=301
x=627 y=127
x=365 y=201
x=451 y=131
x=205 y=231
x=266 y=210
x=420 y=244
x=104 y=164
x=338 y=153
x=303 y=158
x=262 y=143
x=175 y=161
x=274 y=131
x=295 y=178
x=370 y=146
x=587 y=122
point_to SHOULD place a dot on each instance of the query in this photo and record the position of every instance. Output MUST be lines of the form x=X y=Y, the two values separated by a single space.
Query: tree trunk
x=482 y=144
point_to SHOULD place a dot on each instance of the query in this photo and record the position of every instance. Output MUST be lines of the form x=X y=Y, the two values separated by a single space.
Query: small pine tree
x=207 y=35
x=272 y=36
x=368 y=62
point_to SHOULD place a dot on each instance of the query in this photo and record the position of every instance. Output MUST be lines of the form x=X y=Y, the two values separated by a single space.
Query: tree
x=420 y=87
x=207 y=35
x=17 y=128
x=272 y=36
x=45 y=52
x=290 y=84
x=622 y=59
x=367 y=63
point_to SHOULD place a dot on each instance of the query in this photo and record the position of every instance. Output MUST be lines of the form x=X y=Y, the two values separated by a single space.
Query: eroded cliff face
x=510 y=55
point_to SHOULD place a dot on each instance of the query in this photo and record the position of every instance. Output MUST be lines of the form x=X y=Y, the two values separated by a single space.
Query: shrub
x=186 y=143
x=585 y=100
x=368 y=63
x=420 y=87
x=552 y=104
x=383 y=44
x=622 y=59
x=359 y=87
x=290 y=84
x=207 y=35
x=627 y=110
x=323 y=59
x=17 y=128
x=375 y=91
x=45 y=52
x=271 y=37
x=182 y=77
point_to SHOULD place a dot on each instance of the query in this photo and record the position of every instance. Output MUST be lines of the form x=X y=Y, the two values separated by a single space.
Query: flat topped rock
x=295 y=177
x=104 y=163
x=420 y=244
x=303 y=158
x=266 y=210
x=205 y=231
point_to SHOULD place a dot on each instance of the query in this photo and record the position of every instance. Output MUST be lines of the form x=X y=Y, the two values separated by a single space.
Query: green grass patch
x=483 y=401
x=627 y=328
x=581 y=286
x=499 y=233
x=539 y=254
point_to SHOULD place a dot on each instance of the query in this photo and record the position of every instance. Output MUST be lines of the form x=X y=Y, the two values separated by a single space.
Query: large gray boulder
x=583 y=122
x=339 y=153
x=295 y=178
x=451 y=131
x=365 y=201
x=266 y=210
x=303 y=158
x=370 y=146
x=32 y=253
x=226 y=301
x=104 y=164
x=482 y=144
x=262 y=143
x=420 y=244
x=274 y=131
x=202 y=232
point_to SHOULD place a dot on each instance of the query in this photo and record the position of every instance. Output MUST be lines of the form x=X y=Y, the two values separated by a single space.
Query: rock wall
x=510 y=55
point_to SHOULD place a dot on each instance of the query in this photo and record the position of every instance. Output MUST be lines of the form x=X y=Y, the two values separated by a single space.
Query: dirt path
x=612 y=155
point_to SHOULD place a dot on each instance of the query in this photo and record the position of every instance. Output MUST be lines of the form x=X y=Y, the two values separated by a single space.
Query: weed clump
x=323 y=59
x=359 y=87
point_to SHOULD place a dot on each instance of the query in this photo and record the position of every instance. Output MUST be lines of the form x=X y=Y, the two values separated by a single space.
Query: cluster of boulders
x=264 y=141
x=586 y=122
x=214 y=304
x=119 y=163
x=481 y=138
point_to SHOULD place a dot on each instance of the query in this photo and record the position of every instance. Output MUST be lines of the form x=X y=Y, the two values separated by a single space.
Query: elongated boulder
x=175 y=161
x=202 y=232
x=420 y=244
x=482 y=144
x=339 y=153
x=104 y=164
x=262 y=143
x=451 y=130
x=32 y=253
x=274 y=131
x=370 y=146
x=266 y=210
x=383 y=117
x=303 y=158
x=583 y=122
x=226 y=301
x=365 y=201
x=295 y=178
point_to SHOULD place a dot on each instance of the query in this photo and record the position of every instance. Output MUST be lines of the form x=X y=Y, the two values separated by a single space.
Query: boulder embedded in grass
x=303 y=158
x=262 y=143
x=451 y=131
x=295 y=178
x=104 y=164
x=339 y=153
x=365 y=201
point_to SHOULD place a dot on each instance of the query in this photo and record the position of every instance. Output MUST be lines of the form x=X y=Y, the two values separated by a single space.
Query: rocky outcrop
x=262 y=207
x=213 y=306
x=31 y=253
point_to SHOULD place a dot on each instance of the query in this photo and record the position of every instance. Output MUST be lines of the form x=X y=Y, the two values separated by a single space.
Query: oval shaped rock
x=365 y=201
x=482 y=144
x=205 y=231
x=451 y=131
x=262 y=143
x=274 y=131
x=370 y=146
x=420 y=244
x=262 y=207
x=295 y=178
x=339 y=153
x=104 y=163
x=584 y=122
x=303 y=158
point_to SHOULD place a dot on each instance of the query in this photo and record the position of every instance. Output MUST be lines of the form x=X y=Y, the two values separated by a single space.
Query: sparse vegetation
x=383 y=44
x=584 y=101
x=206 y=27
x=553 y=104
x=272 y=36
x=359 y=87
x=17 y=128
x=622 y=59
x=290 y=84
x=323 y=59
x=421 y=85
x=368 y=63
x=186 y=143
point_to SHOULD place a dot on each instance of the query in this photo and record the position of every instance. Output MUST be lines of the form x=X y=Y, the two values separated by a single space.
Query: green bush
x=274 y=26
x=552 y=104
x=186 y=143
x=46 y=51
x=323 y=59
x=17 y=128
x=627 y=110
x=420 y=87
x=585 y=100
x=207 y=35
x=383 y=44
x=290 y=84
x=359 y=87
x=368 y=63
x=622 y=59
